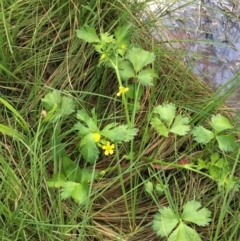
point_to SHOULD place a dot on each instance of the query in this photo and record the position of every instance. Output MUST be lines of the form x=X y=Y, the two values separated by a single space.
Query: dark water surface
x=209 y=30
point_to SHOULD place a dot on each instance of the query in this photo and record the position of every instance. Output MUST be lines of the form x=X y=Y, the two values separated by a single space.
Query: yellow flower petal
x=96 y=137
x=103 y=56
x=122 y=90
x=108 y=148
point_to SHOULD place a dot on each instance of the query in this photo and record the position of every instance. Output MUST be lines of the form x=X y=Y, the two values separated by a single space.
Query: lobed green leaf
x=88 y=34
x=140 y=58
x=121 y=133
x=202 y=135
x=51 y=99
x=180 y=125
x=192 y=213
x=220 y=123
x=71 y=169
x=164 y=221
x=88 y=148
x=126 y=70
x=57 y=180
x=226 y=143
x=122 y=32
x=167 y=112
x=158 y=125
x=184 y=233
x=83 y=116
x=146 y=77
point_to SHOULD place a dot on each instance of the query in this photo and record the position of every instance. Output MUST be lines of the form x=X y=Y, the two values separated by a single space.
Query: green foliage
x=120 y=133
x=121 y=34
x=165 y=121
x=202 y=135
x=114 y=50
x=88 y=34
x=219 y=123
x=88 y=148
x=140 y=58
x=126 y=70
x=86 y=130
x=168 y=224
x=71 y=170
x=220 y=170
x=57 y=106
x=73 y=181
x=57 y=180
x=75 y=190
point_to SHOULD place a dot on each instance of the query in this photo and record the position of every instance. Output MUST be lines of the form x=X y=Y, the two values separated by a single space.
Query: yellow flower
x=96 y=137
x=103 y=56
x=108 y=148
x=122 y=90
x=123 y=46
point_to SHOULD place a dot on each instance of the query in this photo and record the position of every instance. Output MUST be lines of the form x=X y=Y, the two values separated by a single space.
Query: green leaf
x=57 y=106
x=192 y=213
x=121 y=133
x=167 y=112
x=201 y=164
x=223 y=164
x=106 y=38
x=226 y=143
x=140 y=58
x=122 y=32
x=68 y=188
x=82 y=130
x=51 y=99
x=159 y=127
x=71 y=169
x=67 y=106
x=180 y=125
x=184 y=233
x=202 y=135
x=229 y=183
x=57 y=180
x=80 y=194
x=83 y=116
x=87 y=175
x=220 y=123
x=164 y=221
x=214 y=157
x=214 y=172
x=88 y=34
x=88 y=148
x=146 y=77
x=126 y=70
x=76 y=191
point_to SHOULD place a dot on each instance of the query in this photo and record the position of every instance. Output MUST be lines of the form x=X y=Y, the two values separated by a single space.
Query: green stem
x=167 y=164
x=115 y=66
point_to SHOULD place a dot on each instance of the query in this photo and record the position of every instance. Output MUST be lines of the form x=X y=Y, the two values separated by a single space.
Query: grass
x=39 y=53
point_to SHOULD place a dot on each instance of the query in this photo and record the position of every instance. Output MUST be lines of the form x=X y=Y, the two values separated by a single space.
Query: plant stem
x=115 y=66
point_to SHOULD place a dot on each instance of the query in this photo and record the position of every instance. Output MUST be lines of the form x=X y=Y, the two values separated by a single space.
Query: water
x=209 y=30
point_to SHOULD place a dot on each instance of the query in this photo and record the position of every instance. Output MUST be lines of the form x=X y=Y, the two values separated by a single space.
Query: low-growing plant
x=134 y=72
x=176 y=227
